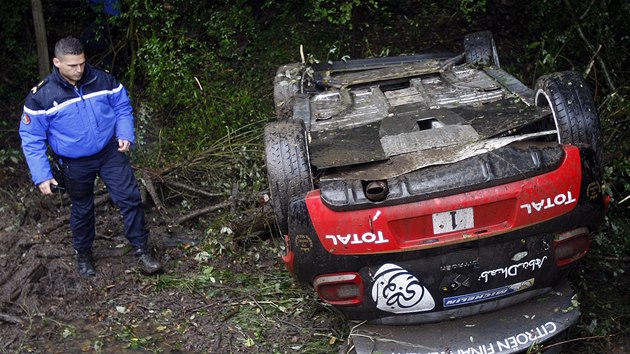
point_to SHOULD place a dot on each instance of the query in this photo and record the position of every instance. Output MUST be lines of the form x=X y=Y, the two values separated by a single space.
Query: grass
x=260 y=302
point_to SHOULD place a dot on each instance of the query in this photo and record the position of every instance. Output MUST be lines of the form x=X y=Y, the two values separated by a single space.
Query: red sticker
x=26 y=119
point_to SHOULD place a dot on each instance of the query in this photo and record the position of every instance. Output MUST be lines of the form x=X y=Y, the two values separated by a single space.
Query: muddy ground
x=46 y=307
x=220 y=292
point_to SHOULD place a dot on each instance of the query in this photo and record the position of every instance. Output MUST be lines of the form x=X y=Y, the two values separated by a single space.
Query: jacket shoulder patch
x=37 y=87
x=26 y=119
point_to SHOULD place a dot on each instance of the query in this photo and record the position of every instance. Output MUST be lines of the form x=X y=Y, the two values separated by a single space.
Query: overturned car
x=434 y=198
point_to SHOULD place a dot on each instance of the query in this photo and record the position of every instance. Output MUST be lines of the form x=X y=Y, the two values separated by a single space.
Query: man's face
x=71 y=67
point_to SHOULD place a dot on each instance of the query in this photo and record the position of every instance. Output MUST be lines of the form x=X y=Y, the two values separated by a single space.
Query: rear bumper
x=510 y=330
x=456 y=218
x=507 y=164
x=466 y=271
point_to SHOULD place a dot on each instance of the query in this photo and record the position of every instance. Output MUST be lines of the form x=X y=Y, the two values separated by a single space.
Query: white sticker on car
x=356 y=239
x=513 y=270
x=520 y=341
x=398 y=291
x=548 y=203
x=454 y=220
x=487 y=294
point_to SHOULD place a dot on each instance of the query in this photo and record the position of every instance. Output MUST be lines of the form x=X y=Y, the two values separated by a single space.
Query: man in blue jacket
x=84 y=115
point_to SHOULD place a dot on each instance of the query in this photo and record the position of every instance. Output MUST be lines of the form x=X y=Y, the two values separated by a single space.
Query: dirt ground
x=235 y=299
x=46 y=307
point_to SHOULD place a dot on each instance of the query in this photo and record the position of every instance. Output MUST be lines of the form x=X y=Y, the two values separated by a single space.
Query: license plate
x=454 y=220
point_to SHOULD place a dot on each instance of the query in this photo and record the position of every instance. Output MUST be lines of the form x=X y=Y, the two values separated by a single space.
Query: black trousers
x=114 y=169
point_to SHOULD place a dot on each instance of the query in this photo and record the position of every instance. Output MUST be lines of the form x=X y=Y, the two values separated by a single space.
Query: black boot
x=85 y=264
x=148 y=263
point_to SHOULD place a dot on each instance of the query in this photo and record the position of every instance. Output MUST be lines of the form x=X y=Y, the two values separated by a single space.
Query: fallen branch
x=624 y=199
x=588 y=9
x=10 y=319
x=194 y=190
x=148 y=183
x=234 y=197
x=50 y=254
x=592 y=61
x=576 y=340
x=203 y=211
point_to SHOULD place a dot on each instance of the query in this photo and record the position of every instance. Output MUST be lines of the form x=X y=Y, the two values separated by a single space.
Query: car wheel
x=573 y=109
x=479 y=48
x=288 y=167
x=285 y=86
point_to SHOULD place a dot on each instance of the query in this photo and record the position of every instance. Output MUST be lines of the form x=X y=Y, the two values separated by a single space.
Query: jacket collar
x=87 y=77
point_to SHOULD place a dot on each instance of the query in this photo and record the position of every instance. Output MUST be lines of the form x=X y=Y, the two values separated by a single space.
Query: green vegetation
x=256 y=303
x=200 y=74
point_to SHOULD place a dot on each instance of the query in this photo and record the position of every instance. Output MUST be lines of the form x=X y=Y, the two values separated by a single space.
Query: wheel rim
x=546 y=103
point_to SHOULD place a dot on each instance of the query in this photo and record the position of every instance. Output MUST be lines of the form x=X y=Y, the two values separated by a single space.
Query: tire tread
x=575 y=109
x=288 y=167
x=480 y=49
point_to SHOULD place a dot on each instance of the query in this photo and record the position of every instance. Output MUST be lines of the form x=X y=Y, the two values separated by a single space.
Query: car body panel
x=507 y=164
x=451 y=109
x=511 y=330
x=511 y=227
x=455 y=218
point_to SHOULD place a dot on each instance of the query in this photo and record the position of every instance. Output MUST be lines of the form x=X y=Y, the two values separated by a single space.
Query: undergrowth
x=260 y=298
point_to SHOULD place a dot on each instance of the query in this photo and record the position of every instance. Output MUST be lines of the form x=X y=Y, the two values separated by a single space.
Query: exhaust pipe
x=376 y=191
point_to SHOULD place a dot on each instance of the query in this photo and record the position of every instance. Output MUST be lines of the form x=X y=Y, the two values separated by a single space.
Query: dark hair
x=68 y=46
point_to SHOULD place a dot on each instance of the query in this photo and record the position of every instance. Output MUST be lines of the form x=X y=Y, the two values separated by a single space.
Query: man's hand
x=123 y=145
x=44 y=187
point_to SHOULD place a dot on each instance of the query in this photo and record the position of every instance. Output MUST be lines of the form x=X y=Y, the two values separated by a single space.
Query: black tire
x=286 y=85
x=479 y=49
x=288 y=167
x=574 y=110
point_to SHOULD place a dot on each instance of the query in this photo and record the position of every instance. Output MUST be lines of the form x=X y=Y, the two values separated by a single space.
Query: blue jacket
x=75 y=121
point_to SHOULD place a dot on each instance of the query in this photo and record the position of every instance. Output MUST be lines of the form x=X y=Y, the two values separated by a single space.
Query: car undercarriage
x=436 y=192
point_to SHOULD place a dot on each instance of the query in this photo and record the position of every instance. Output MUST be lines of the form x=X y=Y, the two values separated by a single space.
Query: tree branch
x=10 y=319
x=590 y=47
x=203 y=211
x=194 y=190
x=148 y=183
